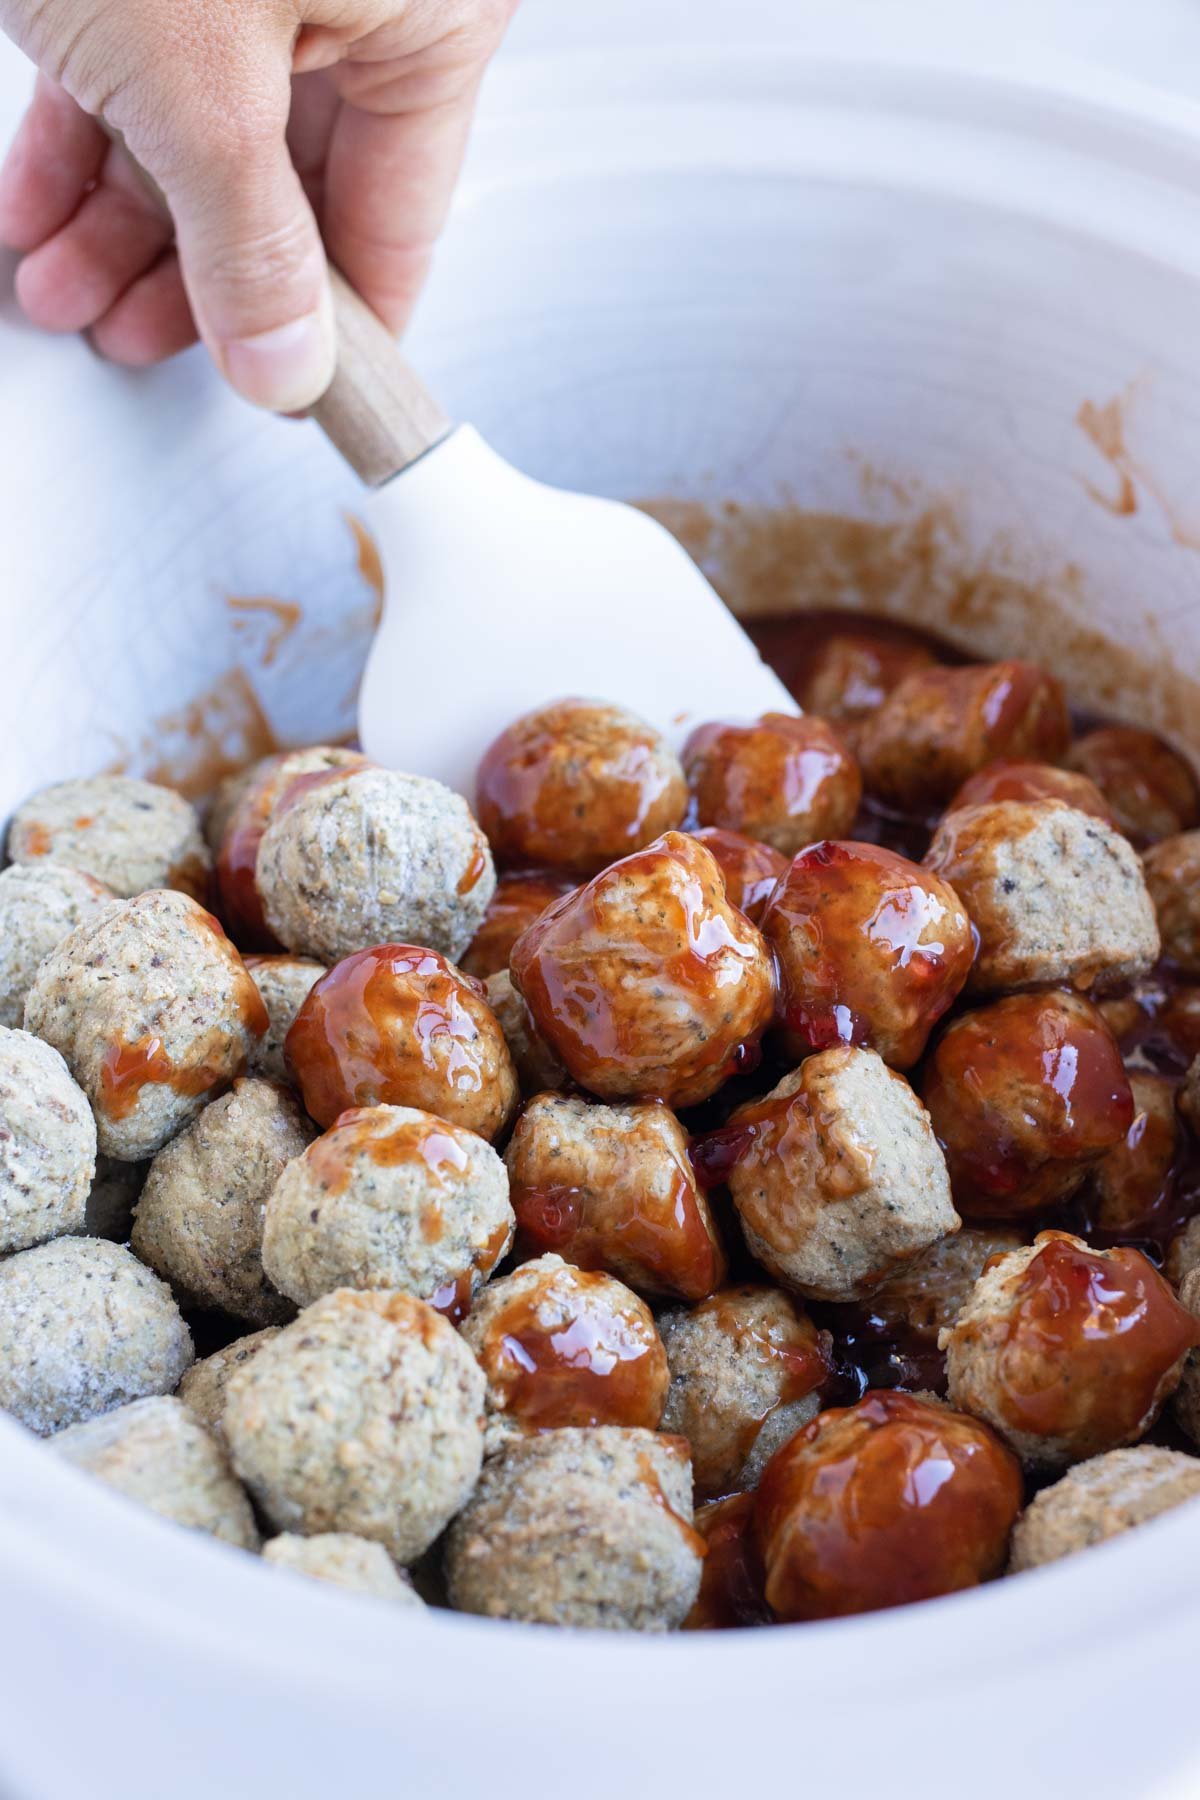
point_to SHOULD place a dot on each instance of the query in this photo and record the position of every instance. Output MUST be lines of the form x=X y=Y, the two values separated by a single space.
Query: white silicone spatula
x=503 y=594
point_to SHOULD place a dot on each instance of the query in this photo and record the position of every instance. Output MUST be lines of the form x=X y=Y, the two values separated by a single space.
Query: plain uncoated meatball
x=153 y=1010
x=269 y=784
x=347 y=1561
x=364 y=1415
x=84 y=1327
x=1150 y=790
x=838 y=1178
x=587 y=1527
x=1132 y=1178
x=47 y=1144
x=928 y=1293
x=199 y=1222
x=1054 y=894
x=747 y=1366
x=519 y=899
x=939 y=725
x=576 y=785
x=372 y=856
x=389 y=1197
x=203 y=1385
x=1067 y=1351
x=751 y=869
x=784 y=780
x=892 y=1500
x=1172 y=870
x=871 y=950
x=1032 y=781
x=157 y=1453
x=131 y=835
x=1025 y=1095
x=40 y=905
x=646 y=982
x=1100 y=1498
x=564 y=1346
x=284 y=984
x=400 y=1026
x=611 y=1187
x=538 y=1069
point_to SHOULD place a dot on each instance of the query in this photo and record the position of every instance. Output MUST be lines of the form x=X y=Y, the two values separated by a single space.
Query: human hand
x=268 y=125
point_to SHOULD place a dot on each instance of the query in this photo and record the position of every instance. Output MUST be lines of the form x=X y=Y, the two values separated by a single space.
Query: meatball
x=262 y=790
x=390 y=1197
x=400 y=1026
x=1150 y=791
x=157 y=1453
x=40 y=905
x=1068 y=1351
x=928 y=1293
x=892 y=1500
x=346 y=1561
x=153 y=1010
x=1131 y=1180
x=646 y=982
x=519 y=899
x=47 y=1144
x=1025 y=1095
x=577 y=784
x=852 y=674
x=130 y=835
x=115 y=1192
x=1183 y=1253
x=611 y=1187
x=199 y=1222
x=586 y=1527
x=219 y=806
x=871 y=950
x=938 y=726
x=203 y=1385
x=84 y=1328
x=1054 y=894
x=565 y=1346
x=1032 y=781
x=731 y=1583
x=284 y=984
x=838 y=1179
x=1100 y=1498
x=538 y=1069
x=751 y=869
x=370 y=856
x=364 y=1416
x=1185 y=1402
x=1172 y=871
x=783 y=780
x=747 y=1367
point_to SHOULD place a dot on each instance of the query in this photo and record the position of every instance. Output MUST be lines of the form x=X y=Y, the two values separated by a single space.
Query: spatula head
x=504 y=594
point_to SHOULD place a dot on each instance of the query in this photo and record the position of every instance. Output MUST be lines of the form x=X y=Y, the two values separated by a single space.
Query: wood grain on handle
x=376 y=410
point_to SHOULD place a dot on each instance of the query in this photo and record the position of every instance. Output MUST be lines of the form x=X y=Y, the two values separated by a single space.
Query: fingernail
x=286 y=369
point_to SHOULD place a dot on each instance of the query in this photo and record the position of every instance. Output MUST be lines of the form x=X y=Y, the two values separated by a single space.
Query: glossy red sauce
x=270 y=794
x=731 y=1582
x=520 y=898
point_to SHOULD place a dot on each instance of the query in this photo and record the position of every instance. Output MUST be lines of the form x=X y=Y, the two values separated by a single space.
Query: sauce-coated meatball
x=1054 y=894
x=871 y=950
x=646 y=982
x=892 y=1500
x=1032 y=781
x=519 y=899
x=1149 y=789
x=928 y=1293
x=1068 y=1351
x=538 y=1069
x=1131 y=1180
x=747 y=1366
x=852 y=674
x=577 y=784
x=1172 y=870
x=400 y=1026
x=1185 y=1402
x=838 y=1179
x=1024 y=1096
x=562 y=1346
x=611 y=1187
x=731 y=1585
x=941 y=725
x=751 y=869
x=783 y=780
x=1098 y=1499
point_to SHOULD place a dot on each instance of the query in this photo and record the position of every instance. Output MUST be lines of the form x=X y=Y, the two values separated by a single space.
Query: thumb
x=252 y=260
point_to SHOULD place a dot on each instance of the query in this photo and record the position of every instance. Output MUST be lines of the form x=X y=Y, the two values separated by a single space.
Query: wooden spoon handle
x=376 y=411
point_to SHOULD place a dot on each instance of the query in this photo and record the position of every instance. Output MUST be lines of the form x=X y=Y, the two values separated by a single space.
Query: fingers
x=150 y=321
x=57 y=152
